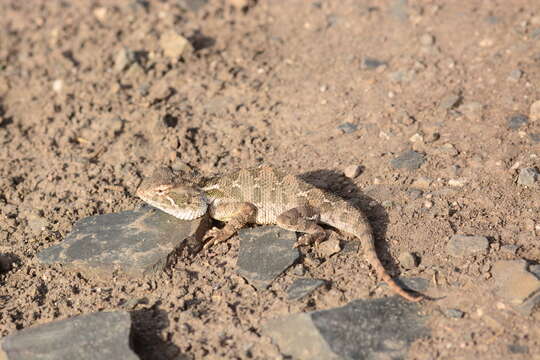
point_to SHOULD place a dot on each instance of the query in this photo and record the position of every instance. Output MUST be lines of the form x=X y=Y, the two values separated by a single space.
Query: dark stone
x=454 y=313
x=535 y=138
x=265 y=252
x=517 y=121
x=302 y=287
x=348 y=127
x=518 y=349
x=100 y=335
x=363 y=329
x=370 y=63
x=136 y=242
x=410 y=160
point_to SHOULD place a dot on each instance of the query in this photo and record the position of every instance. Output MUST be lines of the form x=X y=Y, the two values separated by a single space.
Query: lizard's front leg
x=303 y=219
x=235 y=214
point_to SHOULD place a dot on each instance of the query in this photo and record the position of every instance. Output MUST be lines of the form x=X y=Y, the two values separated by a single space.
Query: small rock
x=100 y=13
x=160 y=91
x=329 y=247
x=174 y=45
x=448 y=149
x=510 y=249
x=417 y=138
x=410 y=160
x=516 y=285
x=528 y=176
x=371 y=63
x=363 y=329
x=348 y=127
x=449 y=102
x=37 y=223
x=135 y=242
x=517 y=121
x=534 y=112
x=464 y=245
x=58 y=85
x=265 y=252
x=123 y=58
x=535 y=138
x=414 y=193
x=100 y=335
x=472 y=110
x=515 y=75
x=454 y=313
x=302 y=287
x=191 y=5
x=518 y=349
x=352 y=171
x=407 y=260
x=422 y=182
x=459 y=182
x=487 y=42
x=427 y=40
x=239 y=4
x=428 y=204
x=6 y=263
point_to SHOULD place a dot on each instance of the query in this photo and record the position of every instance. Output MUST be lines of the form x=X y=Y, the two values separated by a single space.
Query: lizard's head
x=173 y=194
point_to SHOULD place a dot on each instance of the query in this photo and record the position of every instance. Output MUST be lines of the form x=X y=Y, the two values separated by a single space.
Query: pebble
x=160 y=91
x=174 y=45
x=428 y=204
x=510 y=249
x=465 y=245
x=36 y=223
x=427 y=40
x=454 y=313
x=528 y=176
x=302 y=287
x=371 y=63
x=100 y=13
x=58 y=85
x=448 y=149
x=516 y=121
x=534 y=112
x=99 y=335
x=459 y=182
x=414 y=193
x=516 y=285
x=352 y=171
x=410 y=160
x=329 y=247
x=535 y=137
x=449 y=102
x=265 y=252
x=472 y=110
x=347 y=127
x=515 y=75
x=123 y=58
x=136 y=243
x=6 y=263
x=407 y=260
x=381 y=328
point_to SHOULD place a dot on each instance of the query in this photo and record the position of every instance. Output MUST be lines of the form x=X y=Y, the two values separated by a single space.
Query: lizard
x=262 y=195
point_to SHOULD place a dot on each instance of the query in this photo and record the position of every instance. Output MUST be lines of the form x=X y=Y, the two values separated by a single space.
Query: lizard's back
x=274 y=192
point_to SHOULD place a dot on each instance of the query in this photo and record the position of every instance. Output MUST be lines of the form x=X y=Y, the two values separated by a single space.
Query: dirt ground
x=90 y=104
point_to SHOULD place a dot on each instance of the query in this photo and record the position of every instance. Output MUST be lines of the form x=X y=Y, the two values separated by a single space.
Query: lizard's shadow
x=338 y=184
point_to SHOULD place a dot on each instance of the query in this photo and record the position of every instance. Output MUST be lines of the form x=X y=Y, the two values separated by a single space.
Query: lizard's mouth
x=188 y=213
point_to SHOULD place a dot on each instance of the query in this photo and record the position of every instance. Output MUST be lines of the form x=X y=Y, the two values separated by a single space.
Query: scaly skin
x=262 y=195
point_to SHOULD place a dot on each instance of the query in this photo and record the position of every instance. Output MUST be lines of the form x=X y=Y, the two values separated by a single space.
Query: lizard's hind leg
x=303 y=219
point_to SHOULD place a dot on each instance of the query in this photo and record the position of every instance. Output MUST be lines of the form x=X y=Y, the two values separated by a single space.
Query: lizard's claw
x=212 y=237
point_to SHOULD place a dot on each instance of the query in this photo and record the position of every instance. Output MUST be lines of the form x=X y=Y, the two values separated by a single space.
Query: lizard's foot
x=308 y=239
x=214 y=236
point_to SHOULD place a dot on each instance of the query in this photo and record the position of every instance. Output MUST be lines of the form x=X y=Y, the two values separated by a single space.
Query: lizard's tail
x=370 y=252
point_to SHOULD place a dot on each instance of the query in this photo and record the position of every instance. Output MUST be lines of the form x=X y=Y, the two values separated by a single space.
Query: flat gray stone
x=528 y=176
x=135 y=242
x=410 y=160
x=348 y=127
x=363 y=329
x=454 y=313
x=100 y=335
x=302 y=287
x=417 y=284
x=265 y=252
x=449 y=102
x=519 y=287
x=517 y=121
x=371 y=63
x=465 y=245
